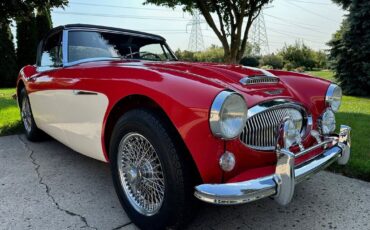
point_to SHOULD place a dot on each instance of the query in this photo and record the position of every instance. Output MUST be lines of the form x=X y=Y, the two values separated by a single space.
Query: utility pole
x=259 y=36
x=196 y=42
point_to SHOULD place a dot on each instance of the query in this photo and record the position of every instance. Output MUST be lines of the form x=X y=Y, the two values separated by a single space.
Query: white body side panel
x=75 y=120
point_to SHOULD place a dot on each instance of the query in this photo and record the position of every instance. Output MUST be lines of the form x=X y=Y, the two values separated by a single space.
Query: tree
x=43 y=22
x=350 y=49
x=8 y=64
x=26 y=41
x=17 y=9
x=231 y=15
x=22 y=11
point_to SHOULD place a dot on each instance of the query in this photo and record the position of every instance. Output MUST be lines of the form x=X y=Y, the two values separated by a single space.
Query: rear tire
x=30 y=128
x=142 y=150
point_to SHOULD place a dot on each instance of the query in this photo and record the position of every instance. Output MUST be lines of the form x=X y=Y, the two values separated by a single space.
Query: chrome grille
x=260 y=129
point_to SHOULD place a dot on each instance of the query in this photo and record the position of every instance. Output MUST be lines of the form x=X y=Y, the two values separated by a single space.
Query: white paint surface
x=74 y=120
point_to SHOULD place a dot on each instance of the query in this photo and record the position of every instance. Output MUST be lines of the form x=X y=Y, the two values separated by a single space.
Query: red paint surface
x=185 y=91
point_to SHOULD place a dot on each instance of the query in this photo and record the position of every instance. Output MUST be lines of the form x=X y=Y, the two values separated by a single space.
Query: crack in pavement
x=122 y=226
x=47 y=188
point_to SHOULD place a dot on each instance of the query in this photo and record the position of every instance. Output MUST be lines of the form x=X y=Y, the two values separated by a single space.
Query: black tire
x=31 y=131
x=178 y=205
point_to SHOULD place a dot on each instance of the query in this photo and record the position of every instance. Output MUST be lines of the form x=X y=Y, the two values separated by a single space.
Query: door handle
x=81 y=92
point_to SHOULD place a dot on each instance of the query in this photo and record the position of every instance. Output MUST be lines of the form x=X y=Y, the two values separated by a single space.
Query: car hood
x=229 y=76
x=301 y=88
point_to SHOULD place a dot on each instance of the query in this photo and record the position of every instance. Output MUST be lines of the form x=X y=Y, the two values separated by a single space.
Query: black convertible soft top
x=88 y=26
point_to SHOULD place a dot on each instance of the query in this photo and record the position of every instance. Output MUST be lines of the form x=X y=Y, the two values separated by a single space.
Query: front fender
x=185 y=101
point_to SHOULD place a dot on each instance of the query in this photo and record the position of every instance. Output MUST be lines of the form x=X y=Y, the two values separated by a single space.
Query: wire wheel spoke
x=141 y=173
x=26 y=114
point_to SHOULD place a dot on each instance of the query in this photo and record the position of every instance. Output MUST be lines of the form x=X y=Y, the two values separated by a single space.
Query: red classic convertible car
x=176 y=132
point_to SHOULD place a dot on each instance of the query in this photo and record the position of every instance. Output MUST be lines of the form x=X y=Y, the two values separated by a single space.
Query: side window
x=155 y=48
x=51 y=55
x=89 y=44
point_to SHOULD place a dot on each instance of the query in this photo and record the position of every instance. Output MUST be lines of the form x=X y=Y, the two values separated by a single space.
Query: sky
x=286 y=21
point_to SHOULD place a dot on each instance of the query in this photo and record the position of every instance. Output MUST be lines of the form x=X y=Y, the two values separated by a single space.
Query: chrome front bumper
x=281 y=184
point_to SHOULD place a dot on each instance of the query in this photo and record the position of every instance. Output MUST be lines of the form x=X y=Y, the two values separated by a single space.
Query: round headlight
x=334 y=97
x=328 y=122
x=296 y=117
x=228 y=115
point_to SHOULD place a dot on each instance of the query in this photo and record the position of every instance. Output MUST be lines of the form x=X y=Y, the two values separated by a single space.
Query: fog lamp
x=227 y=161
x=328 y=122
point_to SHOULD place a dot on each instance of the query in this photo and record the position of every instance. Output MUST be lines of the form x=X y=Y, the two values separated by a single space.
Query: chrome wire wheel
x=141 y=174
x=26 y=114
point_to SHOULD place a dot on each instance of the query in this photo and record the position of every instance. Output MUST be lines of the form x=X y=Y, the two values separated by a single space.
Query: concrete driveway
x=48 y=186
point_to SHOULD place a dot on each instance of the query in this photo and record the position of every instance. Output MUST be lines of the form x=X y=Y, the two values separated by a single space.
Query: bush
x=298 y=55
x=266 y=67
x=275 y=61
x=300 y=69
x=250 y=61
x=212 y=54
x=288 y=66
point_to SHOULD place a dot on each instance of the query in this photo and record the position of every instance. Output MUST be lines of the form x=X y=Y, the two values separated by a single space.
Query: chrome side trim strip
x=81 y=92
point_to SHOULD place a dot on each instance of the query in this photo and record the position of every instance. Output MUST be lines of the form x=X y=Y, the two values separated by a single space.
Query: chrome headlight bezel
x=219 y=109
x=333 y=97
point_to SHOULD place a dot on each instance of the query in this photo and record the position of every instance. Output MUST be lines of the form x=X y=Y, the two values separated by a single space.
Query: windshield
x=91 y=44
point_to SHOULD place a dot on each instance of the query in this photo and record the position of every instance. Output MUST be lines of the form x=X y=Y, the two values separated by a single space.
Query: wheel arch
x=137 y=101
x=20 y=86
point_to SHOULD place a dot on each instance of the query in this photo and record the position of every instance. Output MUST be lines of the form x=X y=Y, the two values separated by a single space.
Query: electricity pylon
x=259 y=38
x=196 y=42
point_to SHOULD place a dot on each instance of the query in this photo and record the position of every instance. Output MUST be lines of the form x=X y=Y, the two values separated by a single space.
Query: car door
x=85 y=106
x=44 y=85
x=63 y=107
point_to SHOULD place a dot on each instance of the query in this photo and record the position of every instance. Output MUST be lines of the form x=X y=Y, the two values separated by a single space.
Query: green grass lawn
x=326 y=74
x=9 y=113
x=355 y=112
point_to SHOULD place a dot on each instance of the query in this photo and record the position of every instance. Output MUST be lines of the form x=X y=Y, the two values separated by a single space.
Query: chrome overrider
x=281 y=184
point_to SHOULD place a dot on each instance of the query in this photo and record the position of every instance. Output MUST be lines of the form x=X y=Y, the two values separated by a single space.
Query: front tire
x=31 y=131
x=151 y=180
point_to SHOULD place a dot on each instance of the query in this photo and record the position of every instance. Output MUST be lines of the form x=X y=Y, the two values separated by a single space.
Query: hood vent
x=259 y=79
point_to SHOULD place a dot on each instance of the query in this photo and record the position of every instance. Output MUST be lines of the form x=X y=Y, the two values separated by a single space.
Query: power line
x=313 y=28
x=315 y=3
x=296 y=36
x=312 y=12
x=289 y=32
x=120 y=16
x=300 y=27
x=118 y=6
